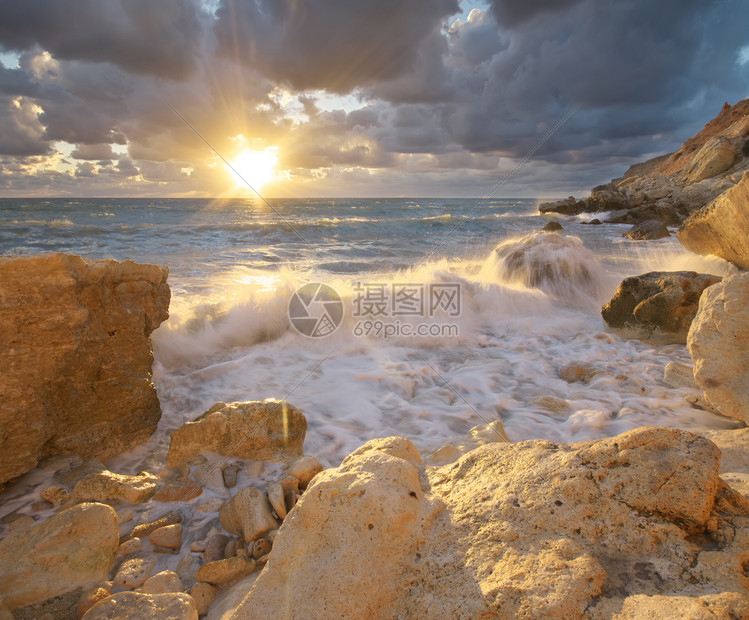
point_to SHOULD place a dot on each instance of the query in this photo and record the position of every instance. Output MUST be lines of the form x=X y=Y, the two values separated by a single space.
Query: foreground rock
x=648 y=230
x=72 y=549
x=137 y=606
x=663 y=302
x=269 y=430
x=717 y=342
x=76 y=357
x=722 y=227
x=536 y=529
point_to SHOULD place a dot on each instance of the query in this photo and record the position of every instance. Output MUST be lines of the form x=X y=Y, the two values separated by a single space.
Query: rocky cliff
x=670 y=187
x=75 y=375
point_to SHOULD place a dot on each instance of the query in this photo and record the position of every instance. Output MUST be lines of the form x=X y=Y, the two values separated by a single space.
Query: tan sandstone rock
x=203 y=594
x=137 y=606
x=71 y=549
x=106 y=485
x=268 y=430
x=717 y=342
x=247 y=514
x=224 y=572
x=717 y=155
x=76 y=356
x=169 y=536
x=163 y=583
x=721 y=227
x=534 y=529
x=134 y=572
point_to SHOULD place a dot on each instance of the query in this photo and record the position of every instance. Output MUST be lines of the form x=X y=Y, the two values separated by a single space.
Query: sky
x=316 y=98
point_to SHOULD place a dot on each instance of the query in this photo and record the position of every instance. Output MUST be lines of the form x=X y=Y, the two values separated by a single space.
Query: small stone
x=247 y=514
x=203 y=594
x=55 y=494
x=677 y=375
x=573 y=373
x=197 y=546
x=186 y=568
x=232 y=547
x=254 y=469
x=169 y=536
x=260 y=548
x=263 y=560
x=230 y=476
x=40 y=506
x=125 y=515
x=20 y=523
x=242 y=553
x=134 y=572
x=555 y=405
x=208 y=474
x=224 y=572
x=304 y=469
x=144 y=529
x=129 y=546
x=178 y=492
x=209 y=505
x=276 y=499
x=106 y=485
x=162 y=583
x=89 y=598
x=214 y=549
x=552 y=227
x=271 y=536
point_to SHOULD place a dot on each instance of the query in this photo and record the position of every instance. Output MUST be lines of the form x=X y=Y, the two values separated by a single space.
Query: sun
x=255 y=168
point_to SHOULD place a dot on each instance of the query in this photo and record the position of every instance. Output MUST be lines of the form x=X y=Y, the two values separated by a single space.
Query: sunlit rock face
x=76 y=361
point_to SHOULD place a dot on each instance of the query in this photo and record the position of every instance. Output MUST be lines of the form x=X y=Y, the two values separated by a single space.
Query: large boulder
x=139 y=606
x=72 y=549
x=534 y=529
x=721 y=227
x=716 y=156
x=647 y=231
x=269 y=430
x=75 y=373
x=568 y=206
x=717 y=342
x=658 y=302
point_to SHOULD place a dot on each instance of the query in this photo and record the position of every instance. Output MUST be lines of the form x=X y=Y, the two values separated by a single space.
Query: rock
x=605 y=198
x=209 y=505
x=70 y=477
x=573 y=373
x=304 y=469
x=276 y=499
x=178 y=492
x=198 y=546
x=230 y=476
x=536 y=529
x=203 y=594
x=20 y=523
x=717 y=343
x=269 y=430
x=106 y=485
x=71 y=549
x=648 y=230
x=232 y=547
x=260 y=548
x=567 y=206
x=677 y=375
x=169 y=536
x=247 y=514
x=552 y=227
x=76 y=356
x=89 y=598
x=55 y=494
x=658 y=301
x=134 y=572
x=163 y=583
x=595 y=222
x=214 y=548
x=553 y=404
x=716 y=156
x=224 y=572
x=144 y=529
x=129 y=547
x=721 y=227
x=138 y=606
x=186 y=568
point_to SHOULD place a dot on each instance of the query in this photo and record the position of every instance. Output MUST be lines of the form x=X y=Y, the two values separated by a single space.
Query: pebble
x=163 y=583
x=89 y=598
x=125 y=515
x=214 y=548
x=186 y=568
x=40 y=505
x=222 y=572
x=304 y=469
x=254 y=469
x=232 y=547
x=169 y=536
x=260 y=548
x=139 y=531
x=178 y=492
x=276 y=499
x=210 y=505
x=203 y=594
x=55 y=494
x=573 y=373
x=134 y=572
x=230 y=476
x=129 y=546
x=198 y=546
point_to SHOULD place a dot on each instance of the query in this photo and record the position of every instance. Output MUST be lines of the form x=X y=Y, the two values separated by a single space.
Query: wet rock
x=552 y=227
x=224 y=572
x=70 y=549
x=55 y=494
x=203 y=594
x=568 y=206
x=197 y=546
x=70 y=477
x=722 y=227
x=144 y=529
x=77 y=356
x=138 y=606
x=595 y=222
x=658 y=301
x=215 y=547
x=169 y=536
x=553 y=404
x=186 y=568
x=134 y=572
x=494 y=536
x=573 y=373
x=261 y=547
x=648 y=230
x=717 y=343
x=269 y=430
x=209 y=505
x=677 y=375
x=178 y=492
x=230 y=476
x=247 y=514
x=276 y=499
x=89 y=598
x=304 y=469
x=105 y=486
x=129 y=547
x=163 y=583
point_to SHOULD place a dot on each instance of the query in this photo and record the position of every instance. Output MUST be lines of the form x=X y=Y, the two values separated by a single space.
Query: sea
x=446 y=321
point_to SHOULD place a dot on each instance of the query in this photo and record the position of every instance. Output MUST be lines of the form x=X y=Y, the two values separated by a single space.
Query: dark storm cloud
x=145 y=37
x=513 y=12
x=331 y=44
x=93 y=152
